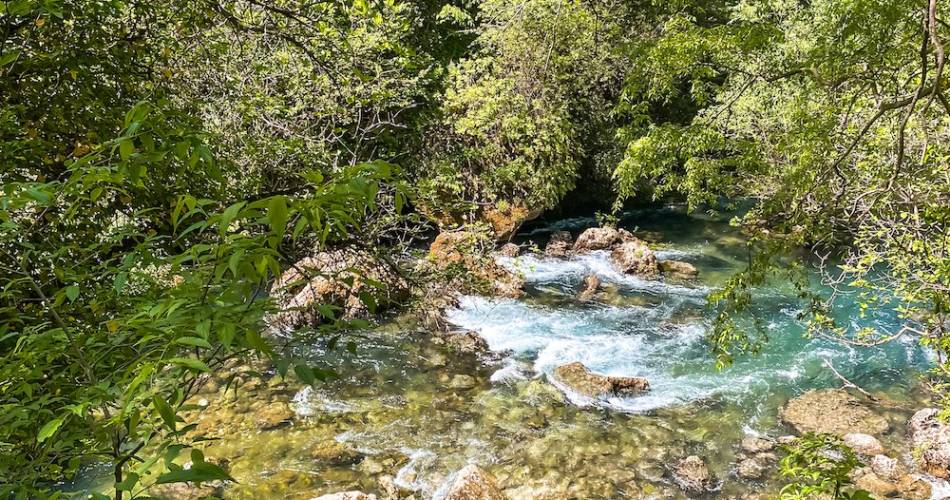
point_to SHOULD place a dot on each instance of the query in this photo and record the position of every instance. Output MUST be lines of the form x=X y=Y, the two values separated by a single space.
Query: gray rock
x=931 y=439
x=863 y=444
x=559 y=245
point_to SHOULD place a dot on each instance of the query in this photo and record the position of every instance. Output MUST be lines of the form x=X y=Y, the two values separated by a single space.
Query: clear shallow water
x=401 y=409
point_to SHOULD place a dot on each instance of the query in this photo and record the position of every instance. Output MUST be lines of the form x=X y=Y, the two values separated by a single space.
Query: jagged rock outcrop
x=580 y=379
x=335 y=278
x=677 y=269
x=559 y=245
x=832 y=411
x=635 y=257
x=692 y=475
x=591 y=284
x=510 y=250
x=465 y=249
x=601 y=238
x=863 y=444
x=505 y=222
x=930 y=437
x=473 y=483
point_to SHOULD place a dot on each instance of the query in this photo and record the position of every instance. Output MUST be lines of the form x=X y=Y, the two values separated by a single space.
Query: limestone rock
x=591 y=284
x=334 y=277
x=473 y=483
x=863 y=444
x=678 y=269
x=914 y=488
x=879 y=488
x=633 y=256
x=509 y=250
x=466 y=341
x=274 y=415
x=462 y=381
x=692 y=475
x=886 y=467
x=334 y=453
x=753 y=444
x=601 y=238
x=580 y=379
x=346 y=495
x=832 y=411
x=506 y=221
x=559 y=245
x=750 y=468
x=466 y=249
x=931 y=440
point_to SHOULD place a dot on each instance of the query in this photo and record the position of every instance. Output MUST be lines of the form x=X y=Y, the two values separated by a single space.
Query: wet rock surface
x=832 y=411
x=473 y=483
x=931 y=439
x=347 y=495
x=692 y=475
x=591 y=285
x=580 y=379
x=601 y=238
x=560 y=244
x=677 y=269
x=510 y=250
x=863 y=444
x=633 y=256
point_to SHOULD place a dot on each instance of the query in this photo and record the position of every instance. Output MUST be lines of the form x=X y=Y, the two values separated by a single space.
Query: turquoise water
x=409 y=411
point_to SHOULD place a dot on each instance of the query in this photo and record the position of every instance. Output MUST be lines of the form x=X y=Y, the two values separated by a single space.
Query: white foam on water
x=307 y=403
x=539 y=269
x=410 y=475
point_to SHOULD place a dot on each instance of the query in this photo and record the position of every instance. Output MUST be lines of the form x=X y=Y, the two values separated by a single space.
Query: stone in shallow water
x=878 y=487
x=462 y=381
x=692 y=475
x=635 y=257
x=601 y=238
x=931 y=438
x=559 y=245
x=750 y=468
x=591 y=284
x=832 y=411
x=863 y=444
x=678 y=269
x=473 y=483
x=580 y=379
x=334 y=452
x=347 y=495
x=274 y=415
x=887 y=467
x=753 y=444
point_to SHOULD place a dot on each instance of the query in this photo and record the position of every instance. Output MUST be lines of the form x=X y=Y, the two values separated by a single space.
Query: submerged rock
x=347 y=495
x=863 y=444
x=601 y=238
x=886 y=467
x=334 y=453
x=635 y=257
x=462 y=381
x=274 y=416
x=581 y=380
x=677 y=268
x=591 y=284
x=559 y=245
x=186 y=491
x=692 y=475
x=753 y=444
x=473 y=483
x=832 y=411
x=750 y=468
x=509 y=250
x=466 y=341
x=879 y=488
x=931 y=440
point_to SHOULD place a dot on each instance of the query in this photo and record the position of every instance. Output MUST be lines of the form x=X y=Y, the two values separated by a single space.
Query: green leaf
x=277 y=215
x=165 y=411
x=194 y=342
x=48 y=429
x=198 y=472
x=9 y=57
x=126 y=148
x=191 y=363
x=72 y=293
x=119 y=281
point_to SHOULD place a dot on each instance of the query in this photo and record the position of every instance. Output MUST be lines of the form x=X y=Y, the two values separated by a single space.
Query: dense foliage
x=161 y=162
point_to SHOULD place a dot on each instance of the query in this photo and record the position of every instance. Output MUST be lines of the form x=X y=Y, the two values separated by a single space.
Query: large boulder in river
x=601 y=238
x=635 y=257
x=559 y=245
x=579 y=379
x=467 y=249
x=591 y=284
x=473 y=483
x=336 y=278
x=678 y=269
x=931 y=439
x=692 y=475
x=832 y=411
